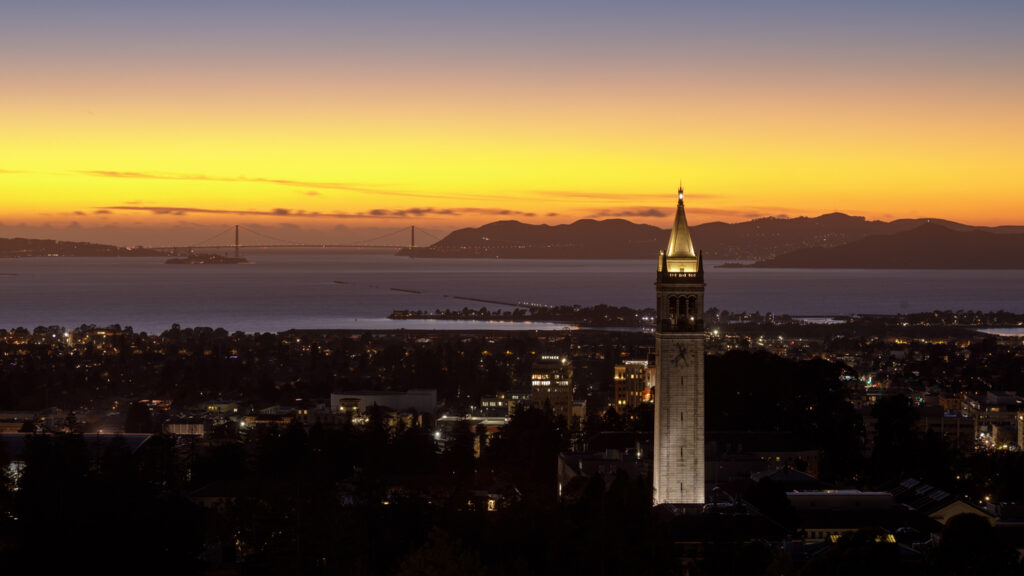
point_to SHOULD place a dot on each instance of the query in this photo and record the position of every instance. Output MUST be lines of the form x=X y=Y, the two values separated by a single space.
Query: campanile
x=679 y=385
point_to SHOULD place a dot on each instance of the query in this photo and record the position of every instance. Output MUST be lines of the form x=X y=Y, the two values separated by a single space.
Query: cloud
x=640 y=212
x=288 y=213
x=496 y=212
x=348 y=186
x=618 y=196
x=746 y=213
x=102 y=212
x=342 y=186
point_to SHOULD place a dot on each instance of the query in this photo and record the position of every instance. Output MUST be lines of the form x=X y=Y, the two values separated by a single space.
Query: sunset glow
x=455 y=114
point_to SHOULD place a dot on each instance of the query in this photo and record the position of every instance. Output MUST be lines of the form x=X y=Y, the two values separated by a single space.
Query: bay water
x=335 y=290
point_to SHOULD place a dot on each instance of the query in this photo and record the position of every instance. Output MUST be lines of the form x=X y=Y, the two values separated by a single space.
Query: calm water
x=281 y=291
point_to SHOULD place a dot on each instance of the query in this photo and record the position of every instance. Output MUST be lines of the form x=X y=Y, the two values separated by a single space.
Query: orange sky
x=319 y=118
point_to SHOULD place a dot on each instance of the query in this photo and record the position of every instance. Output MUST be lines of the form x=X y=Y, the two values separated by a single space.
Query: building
x=444 y=429
x=679 y=357
x=991 y=411
x=936 y=503
x=550 y=384
x=497 y=405
x=518 y=398
x=423 y=400
x=630 y=384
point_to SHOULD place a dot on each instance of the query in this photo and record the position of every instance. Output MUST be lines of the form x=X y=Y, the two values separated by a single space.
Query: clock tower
x=679 y=381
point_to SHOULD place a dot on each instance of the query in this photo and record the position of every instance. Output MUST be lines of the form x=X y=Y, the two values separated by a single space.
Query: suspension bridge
x=221 y=241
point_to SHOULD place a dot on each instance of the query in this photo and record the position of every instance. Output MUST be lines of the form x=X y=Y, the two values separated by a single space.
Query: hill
x=28 y=247
x=927 y=246
x=760 y=239
x=614 y=238
x=765 y=238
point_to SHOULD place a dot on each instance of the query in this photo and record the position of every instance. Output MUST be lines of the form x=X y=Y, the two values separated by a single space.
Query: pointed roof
x=679 y=243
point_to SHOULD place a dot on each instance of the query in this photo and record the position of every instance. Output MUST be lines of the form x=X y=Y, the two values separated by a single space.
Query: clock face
x=682 y=357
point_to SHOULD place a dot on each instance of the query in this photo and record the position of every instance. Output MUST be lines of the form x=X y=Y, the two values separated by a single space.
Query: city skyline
x=143 y=117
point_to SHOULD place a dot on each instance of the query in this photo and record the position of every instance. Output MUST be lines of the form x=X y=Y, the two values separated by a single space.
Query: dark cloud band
x=285 y=212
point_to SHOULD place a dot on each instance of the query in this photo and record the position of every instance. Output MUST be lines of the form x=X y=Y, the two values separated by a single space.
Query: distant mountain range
x=27 y=247
x=582 y=239
x=927 y=246
x=828 y=241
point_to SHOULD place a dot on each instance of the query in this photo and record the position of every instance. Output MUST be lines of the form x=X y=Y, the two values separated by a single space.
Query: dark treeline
x=368 y=500
x=43 y=368
x=323 y=501
x=763 y=393
x=758 y=392
x=76 y=508
x=599 y=315
x=180 y=364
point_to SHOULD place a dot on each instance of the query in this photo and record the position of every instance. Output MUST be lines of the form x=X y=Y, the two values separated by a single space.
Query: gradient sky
x=329 y=117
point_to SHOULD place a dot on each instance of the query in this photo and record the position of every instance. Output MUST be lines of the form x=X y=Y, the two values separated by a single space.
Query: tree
x=526 y=452
x=611 y=421
x=771 y=500
x=138 y=419
x=71 y=424
x=459 y=452
x=862 y=552
x=896 y=440
x=441 y=555
x=969 y=547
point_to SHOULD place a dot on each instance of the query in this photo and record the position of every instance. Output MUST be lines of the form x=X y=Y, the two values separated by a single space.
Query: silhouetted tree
x=770 y=499
x=441 y=555
x=138 y=419
x=862 y=552
x=459 y=453
x=897 y=444
x=969 y=546
x=526 y=452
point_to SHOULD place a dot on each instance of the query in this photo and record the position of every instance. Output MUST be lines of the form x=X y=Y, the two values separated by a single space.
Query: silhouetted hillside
x=766 y=238
x=760 y=239
x=927 y=246
x=582 y=239
x=26 y=247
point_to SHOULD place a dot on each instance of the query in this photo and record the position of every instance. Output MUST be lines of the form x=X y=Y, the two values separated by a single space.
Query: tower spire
x=679 y=242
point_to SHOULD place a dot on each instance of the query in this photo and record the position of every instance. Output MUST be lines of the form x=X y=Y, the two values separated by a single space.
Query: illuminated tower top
x=679 y=261
x=679 y=243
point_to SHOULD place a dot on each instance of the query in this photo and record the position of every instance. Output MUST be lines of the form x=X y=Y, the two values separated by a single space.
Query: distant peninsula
x=614 y=238
x=28 y=248
x=213 y=259
x=930 y=246
x=764 y=240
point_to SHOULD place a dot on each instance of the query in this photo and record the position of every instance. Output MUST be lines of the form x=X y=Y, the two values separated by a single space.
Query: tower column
x=679 y=464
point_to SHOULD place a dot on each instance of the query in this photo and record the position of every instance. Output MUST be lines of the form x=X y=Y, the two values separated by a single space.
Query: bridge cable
x=425 y=232
x=268 y=236
x=392 y=233
x=211 y=238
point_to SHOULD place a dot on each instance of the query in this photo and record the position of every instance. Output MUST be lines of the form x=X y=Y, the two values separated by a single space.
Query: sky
x=136 y=121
